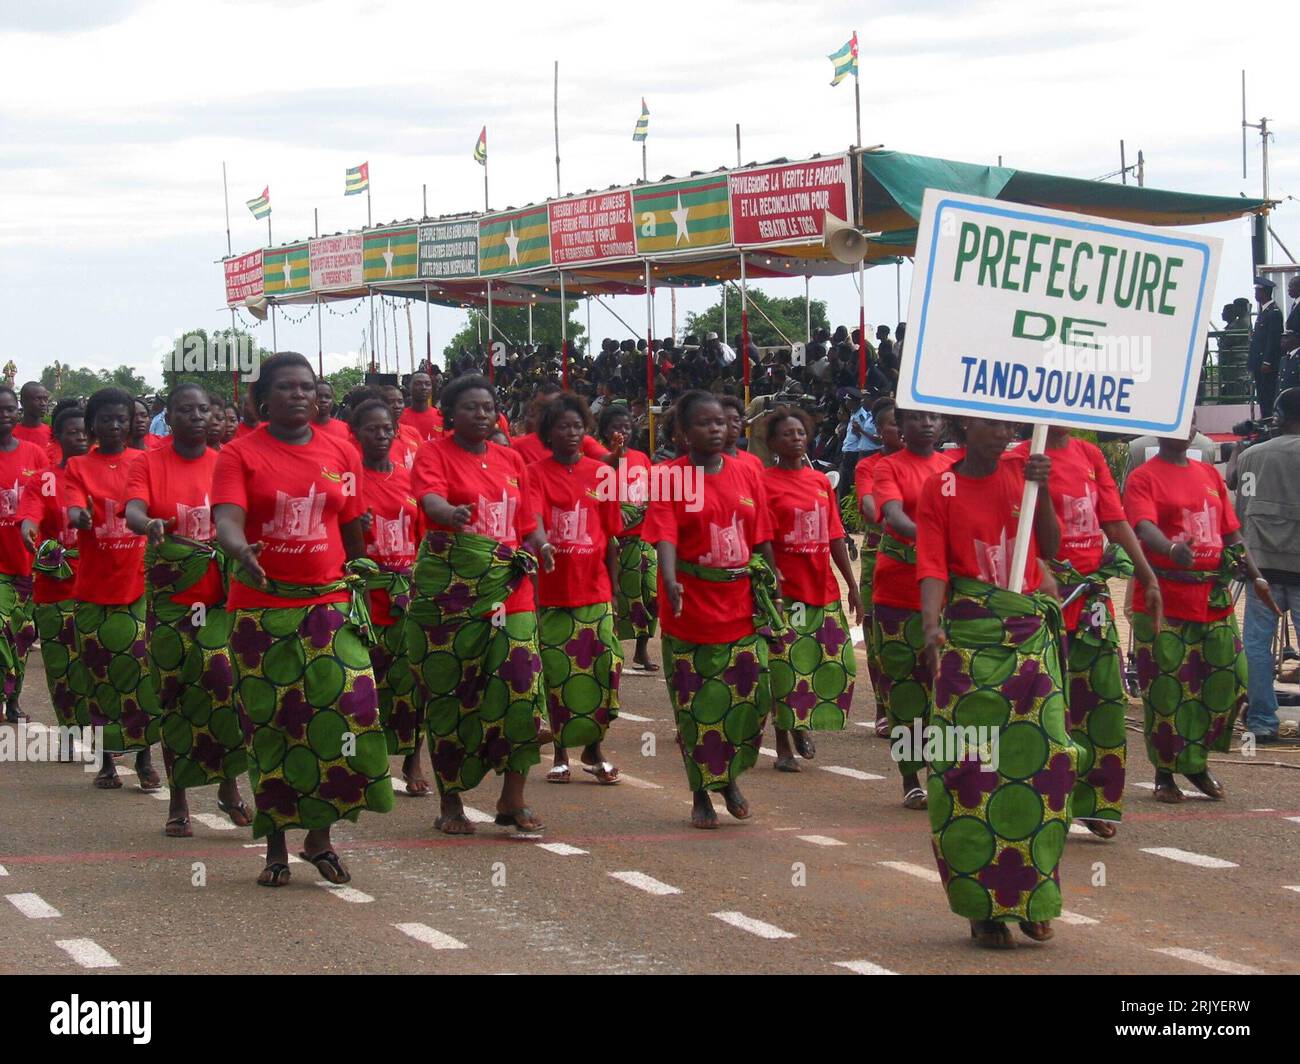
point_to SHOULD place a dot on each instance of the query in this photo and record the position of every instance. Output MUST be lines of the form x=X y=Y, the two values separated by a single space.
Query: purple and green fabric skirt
x=111 y=673
x=477 y=672
x=310 y=713
x=17 y=630
x=721 y=695
x=636 y=597
x=904 y=675
x=1000 y=808
x=813 y=669
x=582 y=662
x=58 y=637
x=870 y=545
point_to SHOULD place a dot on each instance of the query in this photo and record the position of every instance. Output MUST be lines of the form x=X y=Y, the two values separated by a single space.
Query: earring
x=262 y=410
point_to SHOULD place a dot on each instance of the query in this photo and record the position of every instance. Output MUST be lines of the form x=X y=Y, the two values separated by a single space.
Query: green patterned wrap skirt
x=582 y=661
x=870 y=545
x=400 y=710
x=813 y=669
x=17 y=630
x=58 y=634
x=111 y=673
x=636 y=596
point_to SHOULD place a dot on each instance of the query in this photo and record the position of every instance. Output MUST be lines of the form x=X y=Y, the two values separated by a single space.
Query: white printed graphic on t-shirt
x=393 y=537
x=114 y=527
x=495 y=519
x=297 y=517
x=194 y=522
x=1201 y=527
x=1081 y=514
x=727 y=546
x=9 y=499
x=812 y=528
x=993 y=559
x=568 y=528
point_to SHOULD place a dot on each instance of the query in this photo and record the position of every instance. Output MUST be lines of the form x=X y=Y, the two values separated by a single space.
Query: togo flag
x=480 y=149
x=846 y=60
x=643 y=123
x=356 y=179
x=261 y=205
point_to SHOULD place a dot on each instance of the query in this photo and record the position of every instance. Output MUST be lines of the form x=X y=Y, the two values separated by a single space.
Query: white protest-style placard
x=1022 y=313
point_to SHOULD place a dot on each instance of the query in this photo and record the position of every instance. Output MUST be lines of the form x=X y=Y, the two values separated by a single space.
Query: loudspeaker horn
x=256 y=306
x=846 y=243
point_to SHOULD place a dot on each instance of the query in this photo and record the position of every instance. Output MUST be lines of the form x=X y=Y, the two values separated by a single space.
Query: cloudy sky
x=116 y=116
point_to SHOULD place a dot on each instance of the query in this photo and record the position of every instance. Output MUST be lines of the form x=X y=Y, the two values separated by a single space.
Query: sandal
x=803 y=745
x=1039 y=931
x=740 y=810
x=150 y=782
x=703 y=816
x=235 y=812
x=521 y=820
x=605 y=772
x=558 y=774
x=416 y=788
x=1167 y=791
x=991 y=934
x=274 y=875
x=178 y=827
x=108 y=783
x=787 y=764
x=1103 y=829
x=882 y=727
x=329 y=866
x=915 y=799
x=455 y=824
x=1207 y=785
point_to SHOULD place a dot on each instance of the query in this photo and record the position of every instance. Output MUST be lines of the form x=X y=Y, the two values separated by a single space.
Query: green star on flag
x=356 y=179
x=643 y=123
x=846 y=60
x=480 y=149
x=261 y=205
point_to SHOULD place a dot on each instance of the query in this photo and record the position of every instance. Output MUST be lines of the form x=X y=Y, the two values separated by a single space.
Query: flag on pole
x=480 y=149
x=261 y=205
x=643 y=123
x=845 y=60
x=356 y=179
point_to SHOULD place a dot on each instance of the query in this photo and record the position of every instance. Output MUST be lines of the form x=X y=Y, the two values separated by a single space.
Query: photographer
x=1267 y=481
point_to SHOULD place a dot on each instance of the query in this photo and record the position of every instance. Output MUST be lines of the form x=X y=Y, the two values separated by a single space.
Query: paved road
x=830 y=876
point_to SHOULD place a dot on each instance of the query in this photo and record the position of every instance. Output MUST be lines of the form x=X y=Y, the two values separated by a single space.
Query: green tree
x=219 y=382
x=513 y=323
x=62 y=380
x=345 y=379
x=786 y=314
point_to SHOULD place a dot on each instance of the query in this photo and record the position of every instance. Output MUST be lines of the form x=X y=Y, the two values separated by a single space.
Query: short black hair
x=107 y=397
x=277 y=362
x=186 y=386
x=883 y=405
x=781 y=413
x=1287 y=406
x=564 y=403
x=732 y=402
x=6 y=388
x=30 y=384
x=364 y=407
x=687 y=403
x=62 y=417
x=451 y=394
x=608 y=413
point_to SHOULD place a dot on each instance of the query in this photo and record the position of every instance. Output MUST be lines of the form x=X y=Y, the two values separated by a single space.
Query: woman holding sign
x=1087 y=504
x=999 y=814
x=1192 y=671
x=896 y=603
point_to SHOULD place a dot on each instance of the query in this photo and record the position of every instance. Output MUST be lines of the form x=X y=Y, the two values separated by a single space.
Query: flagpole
x=428 y=332
x=556 y=105
x=374 y=366
x=225 y=192
x=491 y=369
x=367 y=200
x=862 y=324
x=564 y=333
x=744 y=326
x=807 y=310
x=643 y=166
x=410 y=334
x=649 y=359
x=857 y=96
x=274 y=342
x=530 y=323
x=485 y=184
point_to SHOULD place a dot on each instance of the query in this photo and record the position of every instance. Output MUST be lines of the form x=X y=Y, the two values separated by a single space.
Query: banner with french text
x=1022 y=313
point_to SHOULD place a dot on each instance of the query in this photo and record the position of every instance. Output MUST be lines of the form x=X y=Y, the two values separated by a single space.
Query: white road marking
x=852 y=773
x=921 y=872
x=33 y=906
x=1208 y=960
x=163 y=795
x=1173 y=853
x=1079 y=829
x=1076 y=919
x=820 y=840
x=398 y=785
x=1296 y=889
x=3 y=870
x=1263 y=810
x=345 y=893
x=1293 y=819
x=766 y=752
x=432 y=938
x=87 y=952
x=624 y=715
x=217 y=823
x=858 y=638
x=262 y=846
x=754 y=927
x=864 y=968
x=1186 y=794
x=644 y=882
x=477 y=816
x=633 y=781
x=561 y=848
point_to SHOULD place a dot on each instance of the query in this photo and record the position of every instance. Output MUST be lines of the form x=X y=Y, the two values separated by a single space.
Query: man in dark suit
x=1265 y=346
x=1291 y=338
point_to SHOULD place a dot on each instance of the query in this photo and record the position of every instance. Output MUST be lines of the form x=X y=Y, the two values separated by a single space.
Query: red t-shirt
x=16 y=468
x=242 y=430
x=426 y=423
x=494 y=483
x=634 y=485
x=970 y=530
x=531 y=449
x=152 y=442
x=579 y=525
x=731 y=519
x=180 y=489
x=805 y=520
x=899 y=478
x=1189 y=504
x=749 y=459
x=41 y=435
x=41 y=502
x=393 y=535
x=334 y=427
x=111 y=572
x=295 y=500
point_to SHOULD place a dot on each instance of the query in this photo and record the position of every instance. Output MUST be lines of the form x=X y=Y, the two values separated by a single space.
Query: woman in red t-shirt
x=111 y=670
x=713 y=533
x=392 y=532
x=813 y=666
x=19 y=461
x=884 y=415
x=1001 y=763
x=1193 y=672
x=1090 y=514
x=168 y=495
x=575 y=501
x=471 y=628
x=636 y=589
x=895 y=599
x=735 y=412
x=216 y=422
x=288 y=509
x=52 y=539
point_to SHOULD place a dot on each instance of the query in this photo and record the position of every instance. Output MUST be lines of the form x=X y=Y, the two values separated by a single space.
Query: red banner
x=781 y=204
x=243 y=277
x=592 y=228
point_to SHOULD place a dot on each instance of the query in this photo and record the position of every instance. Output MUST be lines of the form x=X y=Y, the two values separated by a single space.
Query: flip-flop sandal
x=1169 y=793
x=279 y=876
x=558 y=774
x=915 y=799
x=182 y=825
x=511 y=820
x=787 y=764
x=328 y=865
x=1039 y=932
x=882 y=728
x=739 y=812
x=108 y=783
x=150 y=783
x=1207 y=785
x=991 y=934
x=417 y=789
x=803 y=745
x=704 y=823
x=1103 y=829
x=443 y=822
x=606 y=772
x=651 y=667
x=239 y=809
